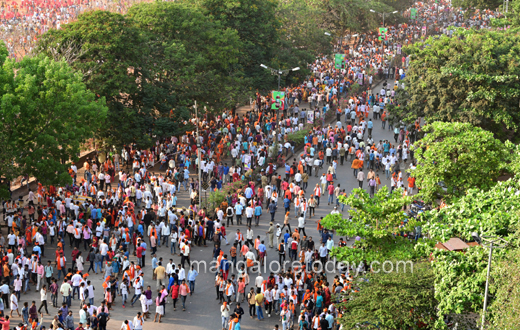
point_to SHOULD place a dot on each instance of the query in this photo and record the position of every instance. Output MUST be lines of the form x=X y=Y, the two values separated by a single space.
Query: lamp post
x=494 y=242
x=198 y=154
x=279 y=72
x=373 y=11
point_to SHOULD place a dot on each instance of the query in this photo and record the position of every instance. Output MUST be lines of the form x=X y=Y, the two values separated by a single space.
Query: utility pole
x=198 y=155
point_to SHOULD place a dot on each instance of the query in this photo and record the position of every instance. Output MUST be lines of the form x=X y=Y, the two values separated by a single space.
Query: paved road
x=203 y=310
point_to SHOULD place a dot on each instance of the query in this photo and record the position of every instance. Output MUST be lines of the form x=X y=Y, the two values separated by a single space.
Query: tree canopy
x=46 y=113
x=472 y=77
x=394 y=300
x=378 y=221
x=454 y=157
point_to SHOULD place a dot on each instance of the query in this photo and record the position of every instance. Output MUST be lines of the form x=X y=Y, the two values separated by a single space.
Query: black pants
x=252 y=310
x=341 y=159
x=302 y=230
x=43 y=304
x=249 y=220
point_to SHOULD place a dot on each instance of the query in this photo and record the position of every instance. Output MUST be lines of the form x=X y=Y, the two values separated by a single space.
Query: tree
x=395 y=300
x=258 y=28
x=472 y=77
x=355 y=15
x=46 y=113
x=460 y=277
x=503 y=312
x=191 y=56
x=478 y=4
x=379 y=221
x=454 y=157
x=111 y=62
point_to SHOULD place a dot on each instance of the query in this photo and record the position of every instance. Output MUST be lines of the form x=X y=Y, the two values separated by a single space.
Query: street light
x=279 y=72
x=198 y=155
x=492 y=240
x=373 y=11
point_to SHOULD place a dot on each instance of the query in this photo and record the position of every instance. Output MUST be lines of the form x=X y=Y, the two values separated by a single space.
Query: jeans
x=97 y=265
x=66 y=300
x=192 y=286
x=259 y=312
x=224 y=322
x=355 y=172
x=135 y=298
x=331 y=199
x=172 y=248
x=165 y=240
x=183 y=298
x=124 y=297
x=383 y=124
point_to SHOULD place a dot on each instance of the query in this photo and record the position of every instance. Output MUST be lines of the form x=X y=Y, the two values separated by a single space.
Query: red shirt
x=139 y=252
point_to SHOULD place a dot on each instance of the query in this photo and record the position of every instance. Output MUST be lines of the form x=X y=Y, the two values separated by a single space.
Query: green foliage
x=110 y=55
x=472 y=77
x=376 y=220
x=46 y=112
x=355 y=15
x=503 y=313
x=478 y=4
x=298 y=137
x=460 y=156
x=191 y=56
x=257 y=25
x=396 y=300
x=460 y=277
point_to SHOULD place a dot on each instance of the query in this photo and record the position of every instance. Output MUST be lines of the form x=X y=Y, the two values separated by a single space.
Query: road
x=203 y=310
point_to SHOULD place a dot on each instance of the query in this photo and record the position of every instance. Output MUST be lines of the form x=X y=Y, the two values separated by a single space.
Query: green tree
x=46 y=113
x=472 y=77
x=478 y=4
x=258 y=28
x=396 y=300
x=503 y=312
x=460 y=277
x=191 y=56
x=110 y=56
x=376 y=220
x=454 y=157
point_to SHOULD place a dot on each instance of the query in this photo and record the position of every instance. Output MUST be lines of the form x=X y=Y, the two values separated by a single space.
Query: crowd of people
x=116 y=216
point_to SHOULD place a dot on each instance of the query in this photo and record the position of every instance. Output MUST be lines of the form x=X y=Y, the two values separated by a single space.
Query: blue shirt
x=192 y=274
x=238 y=209
x=143 y=244
x=261 y=248
x=154 y=263
x=249 y=192
x=370 y=124
x=286 y=237
x=258 y=210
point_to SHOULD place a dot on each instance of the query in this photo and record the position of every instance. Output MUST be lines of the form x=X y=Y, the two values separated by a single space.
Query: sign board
x=413 y=13
x=398 y=48
x=310 y=117
x=339 y=61
x=383 y=33
x=423 y=30
x=278 y=100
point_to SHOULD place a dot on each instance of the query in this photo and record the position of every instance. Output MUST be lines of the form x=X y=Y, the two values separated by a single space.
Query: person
x=159 y=307
x=14 y=304
x=138 y=322
x=259 y=302
x=192 y=275
x=252 y=302
x=43 y=298
x=184 y=290
x=174 y=289
x=224 y=311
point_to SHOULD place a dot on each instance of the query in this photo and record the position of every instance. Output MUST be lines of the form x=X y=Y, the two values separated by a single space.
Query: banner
x=278 y=100
x=399 y=49
x=310 y=117
x=360 y=78
x=424 y=30
x=413 y=13
x=339 y=61
x=383 y=33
